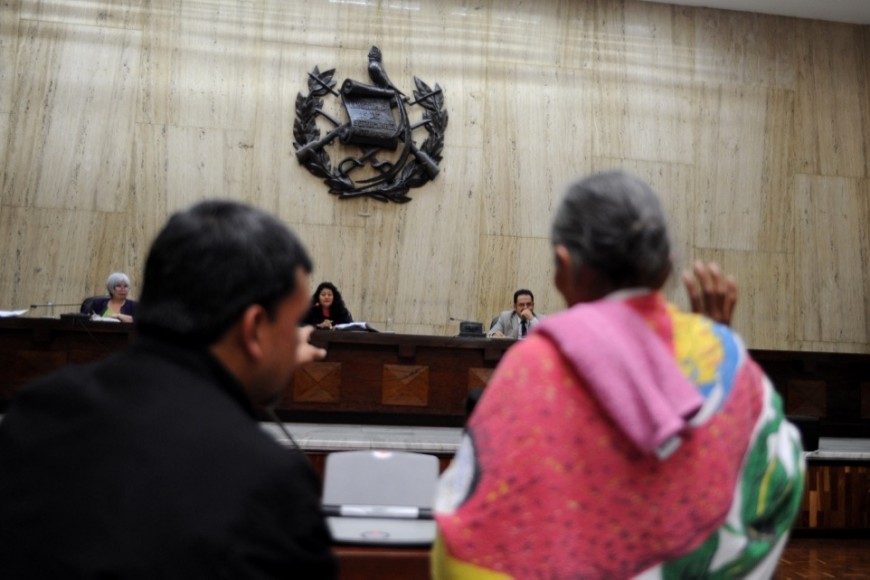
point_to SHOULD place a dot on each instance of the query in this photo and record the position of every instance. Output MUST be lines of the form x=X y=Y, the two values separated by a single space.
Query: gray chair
x=380 y=497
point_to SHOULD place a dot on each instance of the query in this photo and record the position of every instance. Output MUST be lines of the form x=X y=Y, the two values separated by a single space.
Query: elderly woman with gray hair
x=623 y=437
x=116 y=304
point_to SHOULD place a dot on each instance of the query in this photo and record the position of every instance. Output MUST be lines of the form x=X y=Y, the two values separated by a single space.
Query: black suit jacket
x=151 y=465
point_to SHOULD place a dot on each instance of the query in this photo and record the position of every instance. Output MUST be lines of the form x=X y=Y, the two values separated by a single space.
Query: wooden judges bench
x=367 y=377
x=399 y=379
x=411 y=383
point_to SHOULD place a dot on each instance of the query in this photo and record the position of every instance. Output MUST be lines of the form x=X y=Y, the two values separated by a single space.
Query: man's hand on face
x=525 y=307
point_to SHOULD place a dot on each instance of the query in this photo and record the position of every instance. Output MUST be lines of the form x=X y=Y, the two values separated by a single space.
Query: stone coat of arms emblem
x=379 y=156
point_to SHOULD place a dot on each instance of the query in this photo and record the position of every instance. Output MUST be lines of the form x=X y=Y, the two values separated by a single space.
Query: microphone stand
x=51 y=305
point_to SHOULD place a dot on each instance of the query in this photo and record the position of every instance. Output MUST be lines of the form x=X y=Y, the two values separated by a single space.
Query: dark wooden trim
x=398 y=379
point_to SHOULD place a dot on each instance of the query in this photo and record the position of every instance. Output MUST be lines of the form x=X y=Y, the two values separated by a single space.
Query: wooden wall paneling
x=71 y=127
x=836 y=497
x=806 y=397
x=831 y=220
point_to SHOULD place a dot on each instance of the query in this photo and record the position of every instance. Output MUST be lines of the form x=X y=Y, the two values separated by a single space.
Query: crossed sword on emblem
x=387 y=169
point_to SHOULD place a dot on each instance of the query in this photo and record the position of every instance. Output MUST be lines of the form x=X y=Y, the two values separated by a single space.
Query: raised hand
x=710 y=292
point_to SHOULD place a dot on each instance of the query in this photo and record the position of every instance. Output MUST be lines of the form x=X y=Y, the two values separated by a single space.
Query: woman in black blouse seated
x=327 y=308
x=116 y=304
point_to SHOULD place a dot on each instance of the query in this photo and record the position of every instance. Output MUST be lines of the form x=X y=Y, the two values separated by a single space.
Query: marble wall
x=755 y=129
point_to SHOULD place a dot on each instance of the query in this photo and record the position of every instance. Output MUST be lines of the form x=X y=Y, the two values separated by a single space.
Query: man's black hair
x=523 y=292
x=212 y=261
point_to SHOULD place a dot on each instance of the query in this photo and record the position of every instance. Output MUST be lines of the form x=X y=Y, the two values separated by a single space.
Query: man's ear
x=251 y=327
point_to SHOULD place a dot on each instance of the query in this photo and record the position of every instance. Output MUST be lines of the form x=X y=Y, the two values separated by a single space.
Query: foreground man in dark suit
x=151 y=464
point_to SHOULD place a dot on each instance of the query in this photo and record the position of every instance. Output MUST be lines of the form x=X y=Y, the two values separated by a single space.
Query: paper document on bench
x=364 y=326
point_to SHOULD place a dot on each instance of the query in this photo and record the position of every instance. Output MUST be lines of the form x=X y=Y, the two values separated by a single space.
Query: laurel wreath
x=413 y=174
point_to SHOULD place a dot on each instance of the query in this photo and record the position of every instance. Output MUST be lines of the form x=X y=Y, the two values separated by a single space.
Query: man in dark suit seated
x=151 y=464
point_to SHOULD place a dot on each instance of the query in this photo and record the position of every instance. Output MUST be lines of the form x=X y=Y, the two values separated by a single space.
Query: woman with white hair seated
x=116 y=304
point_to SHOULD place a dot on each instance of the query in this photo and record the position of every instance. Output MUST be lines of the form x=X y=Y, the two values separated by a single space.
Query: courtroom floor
x=825 y=558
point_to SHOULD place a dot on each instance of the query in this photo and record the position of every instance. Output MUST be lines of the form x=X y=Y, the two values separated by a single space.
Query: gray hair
x=613 y=223
x=114 y=279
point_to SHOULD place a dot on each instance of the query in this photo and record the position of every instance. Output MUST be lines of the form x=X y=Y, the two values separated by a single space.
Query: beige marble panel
x=524 y=32
x=4 y=130
x=740 y=48
x=58 y=256
x=9 y=41
x=538 y=124
x=354 y=24
x=71 y=129
x=643 y=104
x=840 y=346
x=178 y=166
x=497 y=276
x=830 y=140
x=744 y=199
x=208 y=53
x=765 y=310
x=832 y=262
x=435 y=260
x=108 y=13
